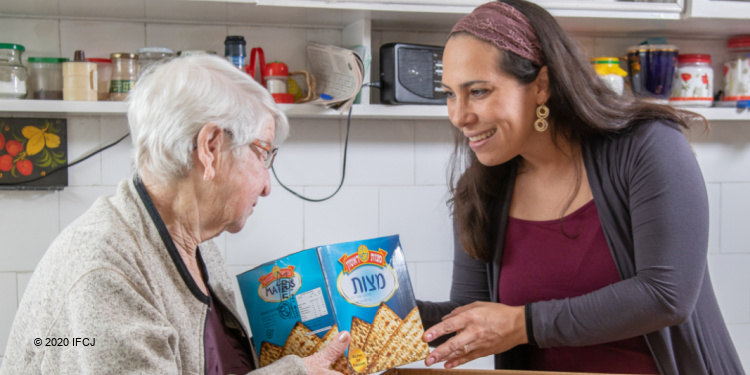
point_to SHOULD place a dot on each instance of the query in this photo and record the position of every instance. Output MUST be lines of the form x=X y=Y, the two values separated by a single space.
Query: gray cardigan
x=115 y=296
x=653 y=208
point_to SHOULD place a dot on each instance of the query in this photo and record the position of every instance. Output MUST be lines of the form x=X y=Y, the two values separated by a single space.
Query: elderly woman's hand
x=482 y=328
x=319 y=363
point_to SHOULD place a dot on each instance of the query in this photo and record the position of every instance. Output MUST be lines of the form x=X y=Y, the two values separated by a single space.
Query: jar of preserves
x=46 y=78
x=737 y=69
x=693 y=83
x=13 y=75
x=608 y=68
x=150 y=55
x=124 y=75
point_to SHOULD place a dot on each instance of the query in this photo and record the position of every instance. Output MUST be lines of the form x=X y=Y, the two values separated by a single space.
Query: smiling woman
x=138 y=274
x=575 y=248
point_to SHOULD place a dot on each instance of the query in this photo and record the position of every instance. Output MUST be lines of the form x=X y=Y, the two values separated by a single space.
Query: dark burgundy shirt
x=225 y=353
x=541 y=262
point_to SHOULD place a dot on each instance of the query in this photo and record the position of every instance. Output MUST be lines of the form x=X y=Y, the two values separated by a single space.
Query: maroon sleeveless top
x=541 y=263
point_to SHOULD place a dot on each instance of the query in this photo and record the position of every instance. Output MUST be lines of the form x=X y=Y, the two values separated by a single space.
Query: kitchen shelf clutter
x=359 y=19
x=311 y=111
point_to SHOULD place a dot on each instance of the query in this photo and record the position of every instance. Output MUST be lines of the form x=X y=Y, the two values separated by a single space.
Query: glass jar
x=46 y=78
x=737 y=69
x=693 y=83
x=608 y=68
x=150 y=55
x=124 y=75
x=13 y=74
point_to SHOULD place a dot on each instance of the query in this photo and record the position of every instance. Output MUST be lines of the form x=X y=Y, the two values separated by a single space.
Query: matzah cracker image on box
x=370 y=291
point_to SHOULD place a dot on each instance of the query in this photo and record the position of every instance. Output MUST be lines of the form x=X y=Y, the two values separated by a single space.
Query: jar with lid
x=608 y=69
x=276 y=77
x=150 y=55
x=693 y=83
x=737 y=69
x=46 y=78
x=124 y=75
x=13 y=75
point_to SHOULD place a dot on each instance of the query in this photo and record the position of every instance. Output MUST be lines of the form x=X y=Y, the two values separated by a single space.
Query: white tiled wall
x=395 y=176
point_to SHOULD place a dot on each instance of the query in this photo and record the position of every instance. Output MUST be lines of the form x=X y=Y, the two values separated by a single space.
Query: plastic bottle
x=235 y=50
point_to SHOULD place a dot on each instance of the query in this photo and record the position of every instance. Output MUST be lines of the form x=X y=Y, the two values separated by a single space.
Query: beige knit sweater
x=115 y=300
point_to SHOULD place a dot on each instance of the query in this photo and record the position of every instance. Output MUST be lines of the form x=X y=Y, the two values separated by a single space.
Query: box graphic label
x=279 y=284
x=366 y=279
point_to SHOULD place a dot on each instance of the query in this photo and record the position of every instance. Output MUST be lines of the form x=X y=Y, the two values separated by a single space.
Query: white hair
x=173 y=100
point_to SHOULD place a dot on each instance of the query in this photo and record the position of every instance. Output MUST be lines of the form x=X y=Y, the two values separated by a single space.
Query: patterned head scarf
x=505 y=27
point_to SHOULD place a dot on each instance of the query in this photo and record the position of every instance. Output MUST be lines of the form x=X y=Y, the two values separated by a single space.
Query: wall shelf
x=304 y=111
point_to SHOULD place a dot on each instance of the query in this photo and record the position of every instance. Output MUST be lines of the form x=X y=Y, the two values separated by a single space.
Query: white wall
x=395 y=172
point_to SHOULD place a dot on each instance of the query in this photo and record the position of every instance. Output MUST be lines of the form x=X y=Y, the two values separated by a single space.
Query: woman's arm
x=668 y=210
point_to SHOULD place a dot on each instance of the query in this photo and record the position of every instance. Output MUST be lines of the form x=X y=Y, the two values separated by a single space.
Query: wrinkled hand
x=318 y=363
x=482 y=328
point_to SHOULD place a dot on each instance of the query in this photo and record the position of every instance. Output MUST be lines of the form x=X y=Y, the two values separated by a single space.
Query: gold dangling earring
x=541 y=123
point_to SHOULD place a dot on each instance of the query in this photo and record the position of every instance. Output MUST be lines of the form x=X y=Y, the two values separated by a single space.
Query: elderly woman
x=136 y=285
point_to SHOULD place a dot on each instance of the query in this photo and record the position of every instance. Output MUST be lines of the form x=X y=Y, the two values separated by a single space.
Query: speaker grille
x=415 y=71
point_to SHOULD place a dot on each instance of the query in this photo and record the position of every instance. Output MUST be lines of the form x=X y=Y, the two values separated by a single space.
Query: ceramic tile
x=8 y=294
x=180 y=37
x=83 y=138
x=116 y=161
x=41 y=38
x=587 y=45
x=100 y=38
x=76 y=200
x=421 y=218
x=735 y=214
x=741 y=337
x=131 y=9
x=245 y=13
x=351 y=215
x=433 y=150
x=311 y=155
x=284 y=44
x=433 y=282
x=29 y=224
x=380 y=153
x=714 y=217
x=22 y=279
x=211 y=11
x=272 y=231
x=26 y=7
x=731 y=283
x=723 y=154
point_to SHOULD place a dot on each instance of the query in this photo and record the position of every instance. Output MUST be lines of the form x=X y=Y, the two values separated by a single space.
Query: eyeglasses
x=267 y=152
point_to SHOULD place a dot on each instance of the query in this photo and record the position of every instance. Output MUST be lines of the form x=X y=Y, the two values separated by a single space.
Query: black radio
x=411 y=74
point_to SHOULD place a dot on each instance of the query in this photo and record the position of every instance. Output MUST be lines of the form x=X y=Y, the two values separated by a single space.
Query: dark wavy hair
x=581 y=106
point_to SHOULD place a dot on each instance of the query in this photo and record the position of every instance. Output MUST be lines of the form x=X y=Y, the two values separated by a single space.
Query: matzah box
x=298 y=303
